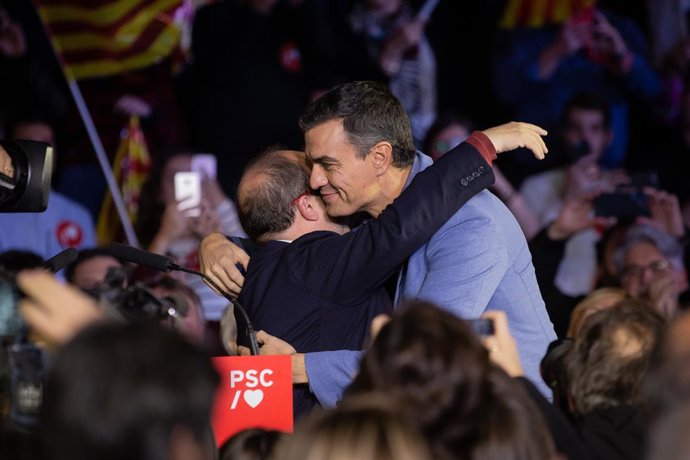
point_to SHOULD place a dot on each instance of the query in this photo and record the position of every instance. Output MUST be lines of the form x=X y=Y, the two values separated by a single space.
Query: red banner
x=254 y=392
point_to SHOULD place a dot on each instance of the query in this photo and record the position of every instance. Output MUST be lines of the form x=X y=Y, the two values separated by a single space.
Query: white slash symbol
x=235 y=399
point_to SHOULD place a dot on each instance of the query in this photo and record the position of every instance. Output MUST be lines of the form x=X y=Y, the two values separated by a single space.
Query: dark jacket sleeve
x=350 y=267
x=564 y=435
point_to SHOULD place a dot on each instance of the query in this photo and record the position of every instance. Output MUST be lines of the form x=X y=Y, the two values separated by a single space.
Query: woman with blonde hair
x=365 y=427
x=597 y=300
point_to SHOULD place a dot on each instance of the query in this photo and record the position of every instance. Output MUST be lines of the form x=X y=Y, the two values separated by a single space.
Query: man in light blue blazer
x=478 y=260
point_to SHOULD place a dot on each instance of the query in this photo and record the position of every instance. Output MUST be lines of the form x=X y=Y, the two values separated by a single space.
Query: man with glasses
x=649 y=263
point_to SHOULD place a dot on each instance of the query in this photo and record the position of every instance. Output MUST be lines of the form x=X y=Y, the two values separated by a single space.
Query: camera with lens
x=23 y=364
x=134 y=302
x=28 y=187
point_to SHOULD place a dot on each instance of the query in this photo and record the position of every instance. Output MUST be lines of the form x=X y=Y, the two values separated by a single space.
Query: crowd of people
x=365 y=219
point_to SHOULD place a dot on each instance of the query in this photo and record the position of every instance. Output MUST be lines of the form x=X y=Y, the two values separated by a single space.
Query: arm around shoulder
x=330 y=373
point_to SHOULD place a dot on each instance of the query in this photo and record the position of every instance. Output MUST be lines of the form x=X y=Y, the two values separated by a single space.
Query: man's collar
x=420 y=163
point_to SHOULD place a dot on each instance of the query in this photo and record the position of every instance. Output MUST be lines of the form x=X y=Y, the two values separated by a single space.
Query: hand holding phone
x=665 y=212
x=575 y=34
x=583 y=17
x=482 y=327
x=624 y=205
x=188 y=193
x=501 y=344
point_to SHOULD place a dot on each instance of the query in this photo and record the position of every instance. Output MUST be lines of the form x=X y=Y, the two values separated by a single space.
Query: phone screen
x=483 y=327
x=623 y=205
x=188 y=193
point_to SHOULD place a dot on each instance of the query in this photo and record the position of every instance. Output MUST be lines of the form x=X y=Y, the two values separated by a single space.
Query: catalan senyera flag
x=97 y=38
x=131 y=169
x=539 y=13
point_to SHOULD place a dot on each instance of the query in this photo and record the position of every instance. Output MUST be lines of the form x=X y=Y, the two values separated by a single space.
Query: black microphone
x=141 y=257
x=61 y=260
x=166 y=264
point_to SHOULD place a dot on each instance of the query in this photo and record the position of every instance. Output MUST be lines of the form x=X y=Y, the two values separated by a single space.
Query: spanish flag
x=539 y=13
x=131 y=169
x=97 y=38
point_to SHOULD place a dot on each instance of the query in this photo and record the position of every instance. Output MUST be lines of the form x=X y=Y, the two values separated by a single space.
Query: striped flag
x=539 y=13
x=130 y=168
x=97 y=38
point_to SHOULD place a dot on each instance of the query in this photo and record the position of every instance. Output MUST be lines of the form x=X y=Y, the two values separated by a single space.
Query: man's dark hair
x=265 y=205
x=370 y=114
x=86 y=255
x=610 y=356
x=118 y=390
x=588 y=101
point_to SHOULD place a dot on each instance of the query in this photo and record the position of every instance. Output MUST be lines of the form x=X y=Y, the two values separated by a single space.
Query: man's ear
x=382 y=156
x=307 y=207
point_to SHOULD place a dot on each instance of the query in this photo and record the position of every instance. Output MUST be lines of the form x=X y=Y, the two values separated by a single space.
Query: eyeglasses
x=634 y=271
x=305 y=193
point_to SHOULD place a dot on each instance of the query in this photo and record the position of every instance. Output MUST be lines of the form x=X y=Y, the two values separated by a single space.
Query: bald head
x=263 y=167
x=266 y=192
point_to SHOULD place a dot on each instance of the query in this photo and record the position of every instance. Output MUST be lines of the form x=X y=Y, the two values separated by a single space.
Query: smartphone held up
x=188 y=193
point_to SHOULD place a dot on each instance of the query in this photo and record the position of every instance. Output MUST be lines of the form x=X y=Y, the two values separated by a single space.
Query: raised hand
x=662 y=292
x=666 y=213
x=573 y=37
x=174 y=225
x=207 y=222
x=577 y=214
x=405 y=37
x=53 y=311
x=515 y=134
x=501 y=345
x=606 y=38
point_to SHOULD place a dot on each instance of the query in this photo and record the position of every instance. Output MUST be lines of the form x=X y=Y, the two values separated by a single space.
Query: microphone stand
x=251 y=333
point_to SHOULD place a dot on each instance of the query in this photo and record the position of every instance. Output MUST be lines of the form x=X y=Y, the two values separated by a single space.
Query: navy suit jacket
x=320 y=291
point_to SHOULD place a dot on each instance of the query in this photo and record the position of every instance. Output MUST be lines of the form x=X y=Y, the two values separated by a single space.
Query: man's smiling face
x=347 y=183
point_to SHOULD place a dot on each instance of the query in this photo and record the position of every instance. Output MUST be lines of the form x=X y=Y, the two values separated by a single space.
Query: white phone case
x=188 y=193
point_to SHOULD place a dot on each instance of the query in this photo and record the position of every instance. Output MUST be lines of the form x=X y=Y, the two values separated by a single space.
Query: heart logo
x=253 y=397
